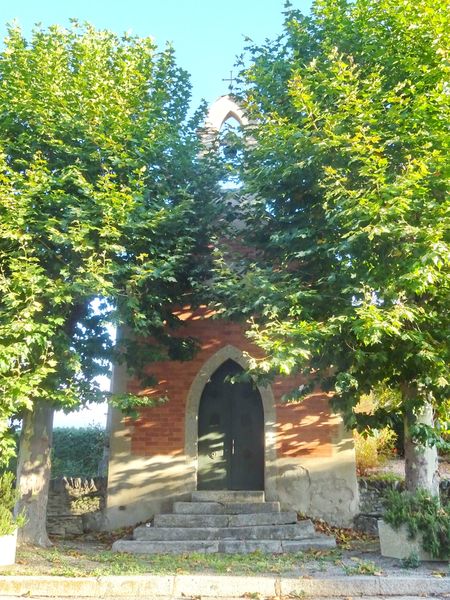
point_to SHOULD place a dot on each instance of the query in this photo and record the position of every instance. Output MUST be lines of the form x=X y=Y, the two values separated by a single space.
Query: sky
x=207 y=36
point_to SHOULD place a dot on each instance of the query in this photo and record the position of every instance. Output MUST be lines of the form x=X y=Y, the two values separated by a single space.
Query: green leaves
x=422 y=514
x=103 y=195
x=349 y=161
x=8 y=499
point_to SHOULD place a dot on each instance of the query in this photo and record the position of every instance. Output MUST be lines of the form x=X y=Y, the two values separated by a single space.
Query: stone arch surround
x=224 y=108
x=268 y=401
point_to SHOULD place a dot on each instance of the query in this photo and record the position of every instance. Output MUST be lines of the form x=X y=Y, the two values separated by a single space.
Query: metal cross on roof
x=231 y=80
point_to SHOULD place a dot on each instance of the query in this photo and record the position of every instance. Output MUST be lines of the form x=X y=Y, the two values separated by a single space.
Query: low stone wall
x=371 y=493
x=73 y=505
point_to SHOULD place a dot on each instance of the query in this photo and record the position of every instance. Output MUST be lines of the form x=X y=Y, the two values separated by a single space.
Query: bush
x=389 y=400
x=373 y=449
x=8 y=499
x=421 y=513
x=77 y=452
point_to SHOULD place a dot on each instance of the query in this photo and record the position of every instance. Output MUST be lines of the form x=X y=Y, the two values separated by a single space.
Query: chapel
x=213 y=435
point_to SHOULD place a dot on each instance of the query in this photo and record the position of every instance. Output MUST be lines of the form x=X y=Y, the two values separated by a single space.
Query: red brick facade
x=302 y=429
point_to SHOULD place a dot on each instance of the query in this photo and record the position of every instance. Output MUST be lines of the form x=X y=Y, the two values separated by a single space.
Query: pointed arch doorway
x=230 y=433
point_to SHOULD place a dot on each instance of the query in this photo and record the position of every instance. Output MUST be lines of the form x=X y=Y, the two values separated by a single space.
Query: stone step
x=178 y=547
x=319 y=542
x=276 y=546
x=224 y=508
x=227 y=496
x=241 y=520
x=299 y=531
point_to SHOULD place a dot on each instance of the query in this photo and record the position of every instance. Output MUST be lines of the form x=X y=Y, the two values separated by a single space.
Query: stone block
x=74 y=525
x=228 y=546
x=94 y=521
x=213 y=520
x=198 y=508
x=246 y=546
x=395 y=543
x=316 y=543
x=175 y=520
x=224 y=508
x=227 y=496
x=367 y=523
x=172 y=534
x=165 y=547
x=298 y=531
x=281 y=518
x=209 y=587
x=65 y=525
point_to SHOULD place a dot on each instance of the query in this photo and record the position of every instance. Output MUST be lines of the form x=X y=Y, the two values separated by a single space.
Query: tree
x=104 y=208
x=347 y=168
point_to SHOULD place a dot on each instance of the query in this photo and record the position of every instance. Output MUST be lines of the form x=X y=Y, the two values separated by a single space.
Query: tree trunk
x=421 y=465
x=33 y=472
x=104 y=461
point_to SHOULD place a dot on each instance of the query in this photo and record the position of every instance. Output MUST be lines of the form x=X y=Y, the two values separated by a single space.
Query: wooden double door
x=230 y=433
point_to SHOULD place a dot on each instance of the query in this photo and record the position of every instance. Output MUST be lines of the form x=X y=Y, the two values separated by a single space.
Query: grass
x=386 y=476
x=362 y=567
x=411 y=562
x=70 y=561
x=94 y=559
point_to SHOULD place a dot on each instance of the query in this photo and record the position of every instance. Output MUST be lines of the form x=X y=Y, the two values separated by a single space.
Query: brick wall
x=303 y=429
x=306 y=428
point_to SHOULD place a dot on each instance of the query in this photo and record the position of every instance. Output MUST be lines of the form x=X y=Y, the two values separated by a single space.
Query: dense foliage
x=104 y=195
x=346 y=166
x=373 y=450
x=77 y=451
x=422 y=514
x=8 y=498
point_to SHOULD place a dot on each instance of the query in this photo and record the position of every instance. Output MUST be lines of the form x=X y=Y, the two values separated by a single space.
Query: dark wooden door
x=230 y=434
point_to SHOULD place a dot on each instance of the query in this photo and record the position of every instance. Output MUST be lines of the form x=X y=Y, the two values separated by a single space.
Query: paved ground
x=206 y=587
x=197 y=598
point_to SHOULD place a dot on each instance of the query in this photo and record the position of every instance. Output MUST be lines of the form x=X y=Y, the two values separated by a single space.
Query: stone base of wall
x=76 y=505
x=73 y=503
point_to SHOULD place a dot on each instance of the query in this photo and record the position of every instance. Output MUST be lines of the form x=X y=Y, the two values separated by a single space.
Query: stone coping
x=219 y=586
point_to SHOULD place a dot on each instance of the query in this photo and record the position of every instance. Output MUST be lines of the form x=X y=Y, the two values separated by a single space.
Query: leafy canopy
x=103 y=196
x=347 y=165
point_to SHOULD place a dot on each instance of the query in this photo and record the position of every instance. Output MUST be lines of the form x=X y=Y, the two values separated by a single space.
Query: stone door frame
x=268 y=402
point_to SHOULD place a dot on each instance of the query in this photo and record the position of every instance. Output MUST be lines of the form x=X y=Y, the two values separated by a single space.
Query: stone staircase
x=225 y=521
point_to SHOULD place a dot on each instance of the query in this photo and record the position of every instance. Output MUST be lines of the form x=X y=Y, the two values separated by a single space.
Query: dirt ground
x=396 y=466
x=356 y=554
